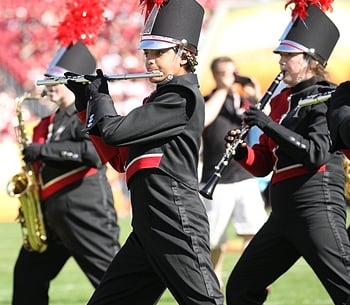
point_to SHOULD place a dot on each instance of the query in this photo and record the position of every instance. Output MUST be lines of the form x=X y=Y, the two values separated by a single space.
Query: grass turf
x=298 y=286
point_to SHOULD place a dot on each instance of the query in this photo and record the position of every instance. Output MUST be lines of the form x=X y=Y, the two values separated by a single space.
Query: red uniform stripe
x=144 y=161
x=287 y=173
x=60 y=182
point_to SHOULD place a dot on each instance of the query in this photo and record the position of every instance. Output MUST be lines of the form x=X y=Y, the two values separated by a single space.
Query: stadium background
x=246 y=30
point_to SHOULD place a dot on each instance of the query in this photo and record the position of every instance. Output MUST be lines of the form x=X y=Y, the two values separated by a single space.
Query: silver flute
x=59 y=80
x=316 y=98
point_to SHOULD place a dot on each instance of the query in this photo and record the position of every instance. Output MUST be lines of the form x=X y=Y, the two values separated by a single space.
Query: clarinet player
x=308 y=216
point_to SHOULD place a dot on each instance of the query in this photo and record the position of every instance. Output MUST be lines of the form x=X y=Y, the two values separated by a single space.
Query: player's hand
x=31 y=152
x=98 y=84
x=232 y=138
x=254 y=116
x=79 y=90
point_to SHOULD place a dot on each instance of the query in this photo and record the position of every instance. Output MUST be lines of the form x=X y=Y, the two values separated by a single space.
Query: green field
x=299 y=286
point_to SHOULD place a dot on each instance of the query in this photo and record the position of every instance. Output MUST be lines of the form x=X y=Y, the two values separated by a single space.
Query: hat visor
x=288 y=48
x=55 y=71
x=155 y=45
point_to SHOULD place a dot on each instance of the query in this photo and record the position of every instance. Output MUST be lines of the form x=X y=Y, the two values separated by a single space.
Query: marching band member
x=158 y=144
x=308 y=216
x=76 y=198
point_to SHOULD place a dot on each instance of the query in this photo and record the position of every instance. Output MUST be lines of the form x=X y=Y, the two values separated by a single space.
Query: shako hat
x=75 y=32
x=172 y=23
x=311 y=31
x=74 y=58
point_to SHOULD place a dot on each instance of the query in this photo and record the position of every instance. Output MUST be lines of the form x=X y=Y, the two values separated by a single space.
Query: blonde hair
x=318 y=69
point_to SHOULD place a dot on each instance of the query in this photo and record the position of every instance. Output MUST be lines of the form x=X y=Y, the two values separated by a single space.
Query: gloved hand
x=32 y=152
x=98 y=84
x=340 y=97
x=254 y=116
x=79 y=90
x=232 y=138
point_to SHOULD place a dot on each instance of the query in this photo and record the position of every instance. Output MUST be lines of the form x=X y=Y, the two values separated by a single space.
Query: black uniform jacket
x=164 y=133
x=67 y=155
x=296 y=142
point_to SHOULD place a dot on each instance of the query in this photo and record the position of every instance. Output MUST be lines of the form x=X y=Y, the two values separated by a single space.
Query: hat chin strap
x=180 y=50
x=178 y=54
x=307 y=60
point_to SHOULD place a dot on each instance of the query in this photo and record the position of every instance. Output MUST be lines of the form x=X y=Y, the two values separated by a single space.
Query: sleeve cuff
x=97 y=109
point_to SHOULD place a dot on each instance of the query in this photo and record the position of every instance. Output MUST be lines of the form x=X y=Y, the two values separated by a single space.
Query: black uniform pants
x=308 y=223
x=168 y=248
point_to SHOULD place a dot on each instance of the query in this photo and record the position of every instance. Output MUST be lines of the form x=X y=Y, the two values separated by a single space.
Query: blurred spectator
x=237 y=197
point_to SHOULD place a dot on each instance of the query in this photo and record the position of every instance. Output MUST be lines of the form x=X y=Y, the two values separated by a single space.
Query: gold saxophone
x=347 y=179
x=25 y=187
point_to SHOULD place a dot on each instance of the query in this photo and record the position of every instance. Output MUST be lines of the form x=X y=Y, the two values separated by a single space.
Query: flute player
x=158 y=145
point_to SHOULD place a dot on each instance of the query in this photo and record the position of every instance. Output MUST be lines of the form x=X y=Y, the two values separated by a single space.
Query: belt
x=293 y=171
x=62 y=181
x=142 y=162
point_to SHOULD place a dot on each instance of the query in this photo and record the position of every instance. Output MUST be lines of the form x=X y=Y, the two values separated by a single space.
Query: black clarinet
x=208 y=190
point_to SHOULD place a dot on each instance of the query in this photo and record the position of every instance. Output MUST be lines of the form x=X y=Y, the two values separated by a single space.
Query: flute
x=315 y=99
x=208 y=190
x=52 y=81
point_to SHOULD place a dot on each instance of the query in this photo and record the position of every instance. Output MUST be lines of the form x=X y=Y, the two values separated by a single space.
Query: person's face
x=296 y=68
x=164 y=60
x=224 y=74
x=58 y=94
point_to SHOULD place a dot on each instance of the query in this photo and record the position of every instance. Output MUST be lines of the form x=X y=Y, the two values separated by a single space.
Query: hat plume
x=300 y=6
x=82 y=22
x=148 y=5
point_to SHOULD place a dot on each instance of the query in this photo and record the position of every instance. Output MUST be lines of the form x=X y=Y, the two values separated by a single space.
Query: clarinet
x=208 y=190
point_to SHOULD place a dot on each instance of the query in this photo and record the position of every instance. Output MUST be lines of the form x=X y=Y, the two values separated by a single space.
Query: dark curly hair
x=191 y=59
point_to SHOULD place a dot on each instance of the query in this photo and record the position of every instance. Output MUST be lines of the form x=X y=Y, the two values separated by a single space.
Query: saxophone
x=346 y=164
x=24 y=186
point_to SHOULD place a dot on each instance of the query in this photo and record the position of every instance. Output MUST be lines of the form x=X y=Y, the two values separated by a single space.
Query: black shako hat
x=79 y=28
x=74 y=58
x=315 y=35
x=173 y=23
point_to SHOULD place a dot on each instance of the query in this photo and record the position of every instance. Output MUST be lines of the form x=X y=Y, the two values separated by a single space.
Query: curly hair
x=191 y=61
x=190 y=58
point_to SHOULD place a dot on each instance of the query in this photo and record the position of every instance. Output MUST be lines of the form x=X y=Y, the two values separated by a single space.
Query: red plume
x=300 y=6
x=147 y=5
x=82 y=22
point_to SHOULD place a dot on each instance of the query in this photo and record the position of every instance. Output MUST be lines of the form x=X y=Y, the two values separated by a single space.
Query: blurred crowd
x=28 y=31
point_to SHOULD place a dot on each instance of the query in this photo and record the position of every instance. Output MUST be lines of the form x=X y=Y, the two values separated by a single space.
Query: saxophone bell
x=18 y=185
